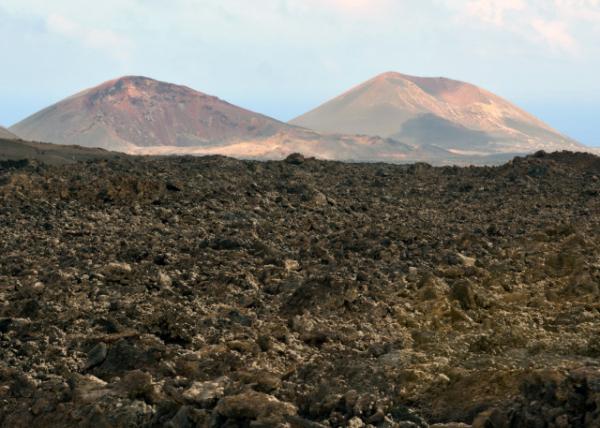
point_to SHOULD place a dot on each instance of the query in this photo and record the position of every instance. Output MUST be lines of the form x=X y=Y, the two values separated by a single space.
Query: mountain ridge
x=409 y=119
x=140 y=115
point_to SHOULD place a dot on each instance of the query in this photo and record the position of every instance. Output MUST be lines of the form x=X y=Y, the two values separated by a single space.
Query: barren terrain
x=435 y=112
x=213 y=292
x=6 y=134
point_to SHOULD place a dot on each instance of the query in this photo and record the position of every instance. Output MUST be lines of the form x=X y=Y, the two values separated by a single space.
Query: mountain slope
x=399 y=120
x=53 y=154
x=454 y=115
x=134 y=111
x=138 y=115
x=6 y=134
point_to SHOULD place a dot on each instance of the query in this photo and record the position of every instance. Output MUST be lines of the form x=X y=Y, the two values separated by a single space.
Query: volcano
x=133 y=112
x=448 y=114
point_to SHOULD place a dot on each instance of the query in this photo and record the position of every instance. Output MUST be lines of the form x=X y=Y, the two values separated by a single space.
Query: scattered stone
x=117 y=272
x=451 y=425
x=138 y=384
x=189 y=417
x=96 y=356
x=267 y=294
x=252 y=405
x=355 y=422
x=319 y=199
x=205 y=394
x=260 y=380
x=291 y=265
x=413 y=274
x=164 y=280
x=90 y=389
x=466 y=261
x=173 y=187
x=295 y=159
x=463 y=292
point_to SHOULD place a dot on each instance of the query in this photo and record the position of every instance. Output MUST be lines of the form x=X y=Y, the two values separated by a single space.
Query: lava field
x=213 y=292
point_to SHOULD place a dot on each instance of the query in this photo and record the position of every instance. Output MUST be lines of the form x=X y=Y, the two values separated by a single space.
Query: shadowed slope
x=53 y=154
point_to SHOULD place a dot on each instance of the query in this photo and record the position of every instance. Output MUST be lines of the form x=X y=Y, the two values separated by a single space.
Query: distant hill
x=54 y=154
x=138 y=115
x=133 y=111
x=440 y=112
x=392 y=118
x=6 y=134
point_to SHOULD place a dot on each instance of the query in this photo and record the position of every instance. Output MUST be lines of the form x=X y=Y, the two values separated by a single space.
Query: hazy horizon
x=283 y=58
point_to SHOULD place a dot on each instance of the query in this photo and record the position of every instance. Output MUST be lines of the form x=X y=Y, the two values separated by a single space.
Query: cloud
x=355 y=6
x=493 y=11
x=61 y=25
x=108 y=41
x=562 y=26
x=579 y=10
x=555 y=34
x=351 y=8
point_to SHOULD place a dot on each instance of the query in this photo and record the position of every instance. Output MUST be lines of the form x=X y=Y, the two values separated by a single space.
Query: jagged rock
x=295 y=159
x=117 y=272
x=89 y=389
x=260 y=380
x=302 y=295
x=96 y=356
x=189 y=417
x=291 y=265
x=205 y=393
x=462 y=291
x=139 y=384
x=355 y=422
x=164 y=280
x=466 y=261
x=252 y=405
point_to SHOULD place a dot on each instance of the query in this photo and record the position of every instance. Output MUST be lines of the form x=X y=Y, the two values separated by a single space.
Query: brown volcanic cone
x=449 y=114
x=133 y=112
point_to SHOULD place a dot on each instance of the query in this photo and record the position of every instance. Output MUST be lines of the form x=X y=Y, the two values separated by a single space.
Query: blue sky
x=283 y=57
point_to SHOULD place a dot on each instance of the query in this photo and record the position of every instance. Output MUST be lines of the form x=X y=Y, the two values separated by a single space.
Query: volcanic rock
x=253 y=405
x=96 y=355
x=282 y=311
x=205 y=393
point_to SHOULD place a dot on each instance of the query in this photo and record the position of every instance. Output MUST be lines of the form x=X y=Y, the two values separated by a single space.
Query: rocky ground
x=212 y=292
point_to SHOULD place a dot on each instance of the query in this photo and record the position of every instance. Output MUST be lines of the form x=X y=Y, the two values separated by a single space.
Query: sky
x=284 y=57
